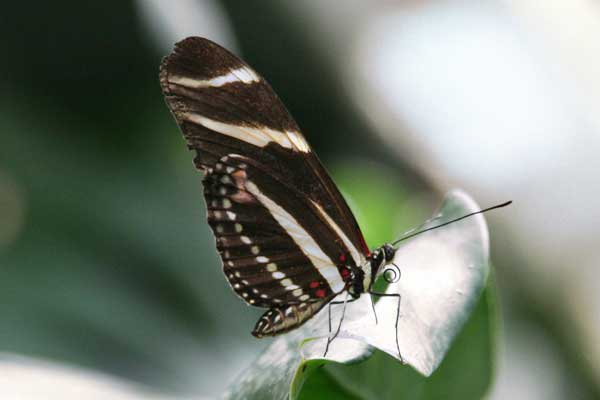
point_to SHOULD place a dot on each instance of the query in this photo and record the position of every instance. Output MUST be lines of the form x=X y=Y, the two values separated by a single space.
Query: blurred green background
x=106 y=261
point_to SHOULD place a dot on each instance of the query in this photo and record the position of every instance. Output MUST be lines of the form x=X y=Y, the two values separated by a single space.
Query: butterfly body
x=285 y=234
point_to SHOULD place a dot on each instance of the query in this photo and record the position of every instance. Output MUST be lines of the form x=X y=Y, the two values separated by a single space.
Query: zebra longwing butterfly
x=288 y=240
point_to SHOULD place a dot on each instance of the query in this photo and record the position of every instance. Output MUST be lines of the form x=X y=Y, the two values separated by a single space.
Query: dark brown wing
x=262 y=254
x=260 y=169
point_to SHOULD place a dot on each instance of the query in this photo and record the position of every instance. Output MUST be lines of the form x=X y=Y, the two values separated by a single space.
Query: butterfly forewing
x=285 y=234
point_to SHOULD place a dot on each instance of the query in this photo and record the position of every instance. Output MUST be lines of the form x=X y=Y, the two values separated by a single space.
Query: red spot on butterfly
x=342 y=257
x=314 y=284
x=320 y=293
x=364 y=245
x=345 y=273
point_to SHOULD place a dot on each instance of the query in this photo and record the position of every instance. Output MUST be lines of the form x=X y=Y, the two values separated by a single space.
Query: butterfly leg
x=373 y=306
x=329 y=337
x=397 y=316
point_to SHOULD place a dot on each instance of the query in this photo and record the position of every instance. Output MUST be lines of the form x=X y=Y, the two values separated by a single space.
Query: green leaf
x=384 y=213
x=322 y=385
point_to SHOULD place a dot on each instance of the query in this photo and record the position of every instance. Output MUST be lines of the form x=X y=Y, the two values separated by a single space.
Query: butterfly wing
x=284 y=232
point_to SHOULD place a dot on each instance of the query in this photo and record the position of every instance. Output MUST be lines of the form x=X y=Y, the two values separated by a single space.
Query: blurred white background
x=500 y=98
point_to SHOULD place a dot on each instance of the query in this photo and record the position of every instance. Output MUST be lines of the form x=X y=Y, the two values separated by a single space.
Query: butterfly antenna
x=452 y=221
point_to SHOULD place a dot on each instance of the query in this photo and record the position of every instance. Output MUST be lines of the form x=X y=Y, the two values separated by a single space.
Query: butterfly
x=287 y=238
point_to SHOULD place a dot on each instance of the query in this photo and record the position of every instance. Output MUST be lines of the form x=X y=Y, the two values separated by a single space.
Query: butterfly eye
x=391 y=274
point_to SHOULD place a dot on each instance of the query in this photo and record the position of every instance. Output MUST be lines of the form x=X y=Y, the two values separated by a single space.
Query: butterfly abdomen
x=282 y=319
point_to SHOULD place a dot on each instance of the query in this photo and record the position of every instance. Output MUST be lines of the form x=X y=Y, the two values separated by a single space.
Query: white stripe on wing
x=302 y=238
x=242 y=74
x=255 y=136
x=359 y=260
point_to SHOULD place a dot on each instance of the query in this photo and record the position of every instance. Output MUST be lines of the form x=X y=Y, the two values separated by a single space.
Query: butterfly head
x=379 y=258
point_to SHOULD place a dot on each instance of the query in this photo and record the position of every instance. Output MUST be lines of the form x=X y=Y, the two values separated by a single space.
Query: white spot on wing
x=271 y=267
x=286 y=282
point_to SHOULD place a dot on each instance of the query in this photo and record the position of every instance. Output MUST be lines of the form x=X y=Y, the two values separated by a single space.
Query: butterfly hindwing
x=263 y=262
